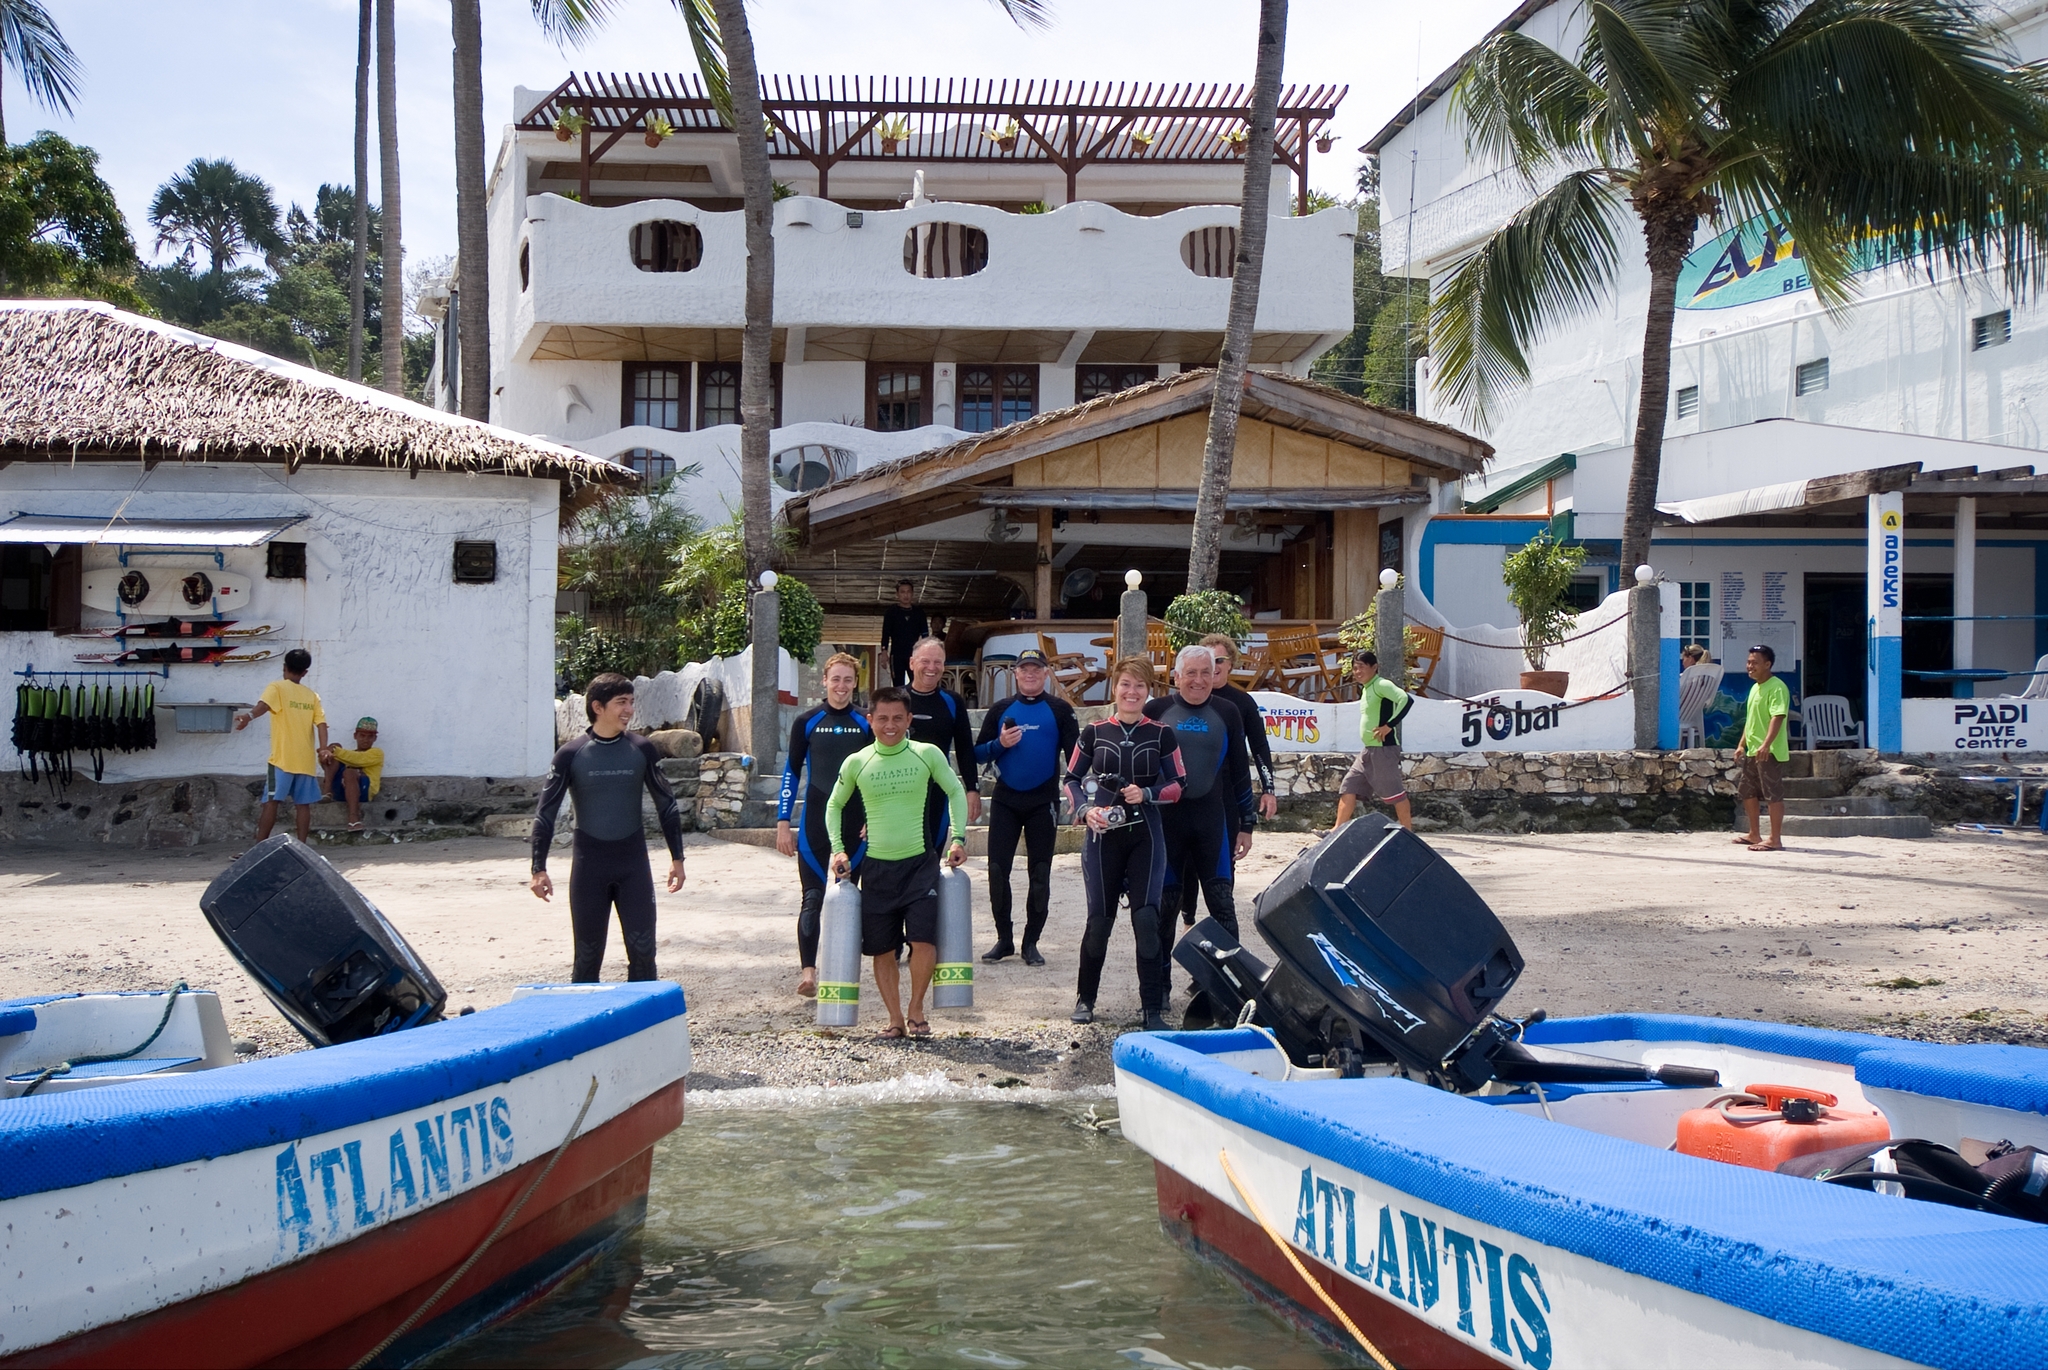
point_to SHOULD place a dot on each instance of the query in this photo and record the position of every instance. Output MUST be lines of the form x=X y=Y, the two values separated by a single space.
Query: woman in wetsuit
x=1135 y=765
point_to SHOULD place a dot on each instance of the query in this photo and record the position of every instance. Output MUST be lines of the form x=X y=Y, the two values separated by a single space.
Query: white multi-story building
x=950 y=257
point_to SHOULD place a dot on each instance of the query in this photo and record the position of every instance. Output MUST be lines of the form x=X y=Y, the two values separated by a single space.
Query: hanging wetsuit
x=608 y=867
x=1025 y=803
x=1199 y=835
x=939 y=719
x=1261 y=764
x=1129 y=859
x=819 y=743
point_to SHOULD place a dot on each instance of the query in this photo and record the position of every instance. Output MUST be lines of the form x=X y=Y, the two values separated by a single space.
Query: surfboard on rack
x=185 y=591
x=204 y=653
x=184 y=630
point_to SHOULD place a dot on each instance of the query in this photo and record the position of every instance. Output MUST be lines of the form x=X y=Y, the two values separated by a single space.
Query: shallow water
x=853 y=1228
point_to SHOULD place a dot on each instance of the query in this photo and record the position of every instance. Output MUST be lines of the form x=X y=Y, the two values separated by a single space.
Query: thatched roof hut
x=83 y=381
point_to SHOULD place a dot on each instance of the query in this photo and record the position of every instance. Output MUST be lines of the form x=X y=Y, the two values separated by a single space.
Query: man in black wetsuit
x=605 y=770
x=1024 y=738
x=819 y=743
x=1201 y=845
x=1225 y=651
x=903 y=627
x=939 y=717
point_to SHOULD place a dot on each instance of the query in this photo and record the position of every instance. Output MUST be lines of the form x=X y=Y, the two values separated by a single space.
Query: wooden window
x=656 y=466
x=654 y=395
x=718 y=393
x=1018 y=399
x=1093 y=382
x=991 y=396
x=899 y=397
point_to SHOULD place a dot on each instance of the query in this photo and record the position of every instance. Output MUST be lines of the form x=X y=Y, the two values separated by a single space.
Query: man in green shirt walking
x=1377 y=773
x=1763 y=750
x=899 y=878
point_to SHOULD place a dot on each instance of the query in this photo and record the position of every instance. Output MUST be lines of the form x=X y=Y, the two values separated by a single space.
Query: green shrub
x=1190 y=618
x=802 y=619
x=1361 y=633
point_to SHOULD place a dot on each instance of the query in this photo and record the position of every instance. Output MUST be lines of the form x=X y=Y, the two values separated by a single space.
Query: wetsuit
x=899 y=880
x=1129 y=859
x=1025 y=803
x=902 y=629
x=1261 y=765
x=819 y=743
x=606 y=776
x=939 y=719
x=1198 y=830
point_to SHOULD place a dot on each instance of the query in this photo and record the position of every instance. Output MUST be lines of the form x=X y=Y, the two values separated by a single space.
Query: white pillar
x=942 y=393
x=1885 y=584
x=1965 y=651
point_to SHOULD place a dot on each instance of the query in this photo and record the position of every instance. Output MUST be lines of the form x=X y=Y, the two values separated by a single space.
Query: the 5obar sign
x=1990 y=727
x=1493 y=719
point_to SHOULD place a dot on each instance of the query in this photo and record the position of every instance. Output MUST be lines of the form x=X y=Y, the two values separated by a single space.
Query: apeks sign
x=1498 y=721
x=1973 y=725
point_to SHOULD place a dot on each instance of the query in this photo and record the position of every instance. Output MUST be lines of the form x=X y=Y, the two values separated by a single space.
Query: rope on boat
x=496 y=1232
x=65 y=1067
x=1287 y=1250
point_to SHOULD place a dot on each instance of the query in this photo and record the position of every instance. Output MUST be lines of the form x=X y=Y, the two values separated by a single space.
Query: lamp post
x=1390 y=621
x=764 y=736
x=1645 y=656
x=1130 y=618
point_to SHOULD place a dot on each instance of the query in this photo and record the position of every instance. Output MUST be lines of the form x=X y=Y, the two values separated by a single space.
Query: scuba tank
x=953 y=981
x=839 y=956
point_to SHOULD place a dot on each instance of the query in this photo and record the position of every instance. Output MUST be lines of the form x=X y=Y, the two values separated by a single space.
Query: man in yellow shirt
x=354 y=775
x=298 y=734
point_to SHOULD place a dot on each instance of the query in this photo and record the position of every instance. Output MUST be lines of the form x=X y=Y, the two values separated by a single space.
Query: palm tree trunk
x=391 y=255
x=1667 y=241
x=472 y=240
x=359 y=262
x=1206 y=548
x=757 y=398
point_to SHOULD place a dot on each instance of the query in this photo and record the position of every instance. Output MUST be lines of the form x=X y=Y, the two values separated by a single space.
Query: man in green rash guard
x=899 y=879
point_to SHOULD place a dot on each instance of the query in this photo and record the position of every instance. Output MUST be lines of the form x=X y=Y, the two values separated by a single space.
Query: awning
x=1762 y=499
x=63 y=529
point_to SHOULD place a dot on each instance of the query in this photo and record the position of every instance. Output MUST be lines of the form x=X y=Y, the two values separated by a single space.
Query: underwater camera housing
x=327 y=958
x=1386 y=956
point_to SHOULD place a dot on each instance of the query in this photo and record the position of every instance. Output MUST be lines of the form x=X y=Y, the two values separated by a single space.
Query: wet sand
x=1944 y=939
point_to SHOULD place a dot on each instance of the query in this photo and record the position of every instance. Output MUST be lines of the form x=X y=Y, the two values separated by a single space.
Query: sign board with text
x=1499 y=721
x=1974 y=726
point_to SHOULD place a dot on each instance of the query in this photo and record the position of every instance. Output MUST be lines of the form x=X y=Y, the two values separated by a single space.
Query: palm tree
x=1205 y=549
x=472 y=228
x=31 y=45
x=1904 y=122
x=391 y=336
x=215 y=208
x=360 y=263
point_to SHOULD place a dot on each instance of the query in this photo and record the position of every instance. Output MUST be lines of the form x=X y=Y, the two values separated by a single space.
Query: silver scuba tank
x=953 y=981
x=839 y=956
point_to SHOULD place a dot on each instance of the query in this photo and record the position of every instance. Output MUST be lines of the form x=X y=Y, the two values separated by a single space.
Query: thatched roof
x=83 y=381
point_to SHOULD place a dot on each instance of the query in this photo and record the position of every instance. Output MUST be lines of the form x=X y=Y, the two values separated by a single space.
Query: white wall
x=824 y=392
x=460 y=677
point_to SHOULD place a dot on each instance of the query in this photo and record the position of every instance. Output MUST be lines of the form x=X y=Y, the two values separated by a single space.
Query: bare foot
x=1767 y=846
x=807 y=985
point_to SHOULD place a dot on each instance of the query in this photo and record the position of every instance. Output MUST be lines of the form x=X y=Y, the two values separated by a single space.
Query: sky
x=270 y=84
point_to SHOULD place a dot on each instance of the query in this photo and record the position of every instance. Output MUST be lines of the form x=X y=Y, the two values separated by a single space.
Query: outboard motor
x=1386 y=955
x=327 y=958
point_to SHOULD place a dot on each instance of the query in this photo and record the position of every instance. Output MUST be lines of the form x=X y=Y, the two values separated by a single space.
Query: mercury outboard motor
x=327 y=958
x=1387 y=956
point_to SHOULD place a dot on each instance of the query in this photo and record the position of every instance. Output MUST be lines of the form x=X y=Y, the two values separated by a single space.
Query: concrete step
x=757 y=813
x=1864 y=821
x=1841 y=806
x=767 y=787
x=1812 y=787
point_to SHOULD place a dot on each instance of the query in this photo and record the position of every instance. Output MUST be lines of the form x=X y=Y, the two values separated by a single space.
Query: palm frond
x=1525 y=104
x=1026 y=14
x=569 y=22
x=701 y=20
x=1647 y=57
x=1556 y=257
x=32 y=45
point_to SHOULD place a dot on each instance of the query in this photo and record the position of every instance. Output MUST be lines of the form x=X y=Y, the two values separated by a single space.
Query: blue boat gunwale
x=58 y=1141
x=1930 y=1284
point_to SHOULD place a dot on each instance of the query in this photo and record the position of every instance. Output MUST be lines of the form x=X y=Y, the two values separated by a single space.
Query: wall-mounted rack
x=31 y=674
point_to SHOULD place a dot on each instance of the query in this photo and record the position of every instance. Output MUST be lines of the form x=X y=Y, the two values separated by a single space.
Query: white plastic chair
x=1696 y=689
x=2037 y=688
x=1828 y=722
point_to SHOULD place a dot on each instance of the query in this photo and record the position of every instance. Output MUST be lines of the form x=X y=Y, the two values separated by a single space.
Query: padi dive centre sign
x=1759 y=260
x=1497 y=721
x=1975 y=726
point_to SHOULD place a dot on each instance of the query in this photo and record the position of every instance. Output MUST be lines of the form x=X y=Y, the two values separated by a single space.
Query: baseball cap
x=1030 y=656
x=367 y=724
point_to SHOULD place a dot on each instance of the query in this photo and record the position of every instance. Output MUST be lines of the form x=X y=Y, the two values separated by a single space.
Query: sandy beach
x=1944 y=939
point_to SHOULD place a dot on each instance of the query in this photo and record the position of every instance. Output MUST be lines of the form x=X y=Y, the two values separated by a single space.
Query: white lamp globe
x=1644 y=575
x=1388 y=578
x=768 y=579
x=1133 y=579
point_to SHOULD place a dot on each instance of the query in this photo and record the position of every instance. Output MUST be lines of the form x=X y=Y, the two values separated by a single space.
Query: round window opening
x=813 y=465
x=944 y=251
x=667 y=245
x=525 y=265
x=1210 y=252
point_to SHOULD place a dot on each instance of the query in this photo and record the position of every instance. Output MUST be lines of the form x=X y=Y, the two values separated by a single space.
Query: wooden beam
x=1041 y=594
x=1859 y=484
x=1181 y=501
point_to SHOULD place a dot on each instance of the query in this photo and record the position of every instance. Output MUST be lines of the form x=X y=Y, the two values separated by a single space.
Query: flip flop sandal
x=892 y=1031
x=920 y=1028
x=355 y=827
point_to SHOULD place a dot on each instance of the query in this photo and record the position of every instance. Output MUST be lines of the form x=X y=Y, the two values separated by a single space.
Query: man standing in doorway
x=819 y=743
x=903 y=625
x=605 y=770
x=1377 y=773
x=1024 y=739
x=298 y=734
x=938 y=718
x=1764 y=749
x=1210 y=829
x=899 y=879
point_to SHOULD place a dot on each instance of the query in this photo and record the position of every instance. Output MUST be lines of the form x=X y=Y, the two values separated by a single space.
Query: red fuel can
x=1768 y=1125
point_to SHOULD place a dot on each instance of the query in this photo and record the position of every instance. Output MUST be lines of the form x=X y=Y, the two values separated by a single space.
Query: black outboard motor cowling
x=327 y=958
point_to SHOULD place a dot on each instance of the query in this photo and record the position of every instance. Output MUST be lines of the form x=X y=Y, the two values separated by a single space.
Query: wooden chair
x=1071 y=674
x=1158 y=647
x=1299 y=664
x=1425 y=649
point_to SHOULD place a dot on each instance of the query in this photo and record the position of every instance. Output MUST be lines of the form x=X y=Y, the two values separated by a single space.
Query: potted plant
x=1325 y=142
x=1235 y=141
x=1141 y=138
x=568 y=124
x=893 y=133
x=1538 y=577
x=1004 y=137
x=658 y=128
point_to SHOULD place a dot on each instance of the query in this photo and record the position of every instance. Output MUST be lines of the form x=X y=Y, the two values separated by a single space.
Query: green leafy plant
x=1190 y=618
x=1538 y=576
x=783 y=190
x=621 y=552
x=1142 y=138
x=1361 y=633
x=569 y=123
x=1035 y=207
x=800 y=621
x=659 y=128
x=893 y=132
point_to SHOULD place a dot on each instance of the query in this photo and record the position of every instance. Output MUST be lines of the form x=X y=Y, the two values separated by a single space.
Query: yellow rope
x=1287 y=1250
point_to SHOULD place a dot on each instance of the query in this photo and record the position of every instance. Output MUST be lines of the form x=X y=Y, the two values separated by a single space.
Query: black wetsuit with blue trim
x=940 y=718
x=1128 y=859
x=819 y=743
x=1025 y=804
x=1199 y=829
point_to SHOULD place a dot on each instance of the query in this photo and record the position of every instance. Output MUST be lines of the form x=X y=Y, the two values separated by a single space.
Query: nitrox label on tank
x=331 y=1192
x=1490 y=1293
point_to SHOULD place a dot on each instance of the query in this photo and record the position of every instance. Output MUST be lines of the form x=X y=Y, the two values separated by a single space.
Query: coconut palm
x=391 y=336
x=215 y=208
x=472 y=228
x=360 y=262
x=1205 y=548
x=1901 y=122
x=32 y=47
